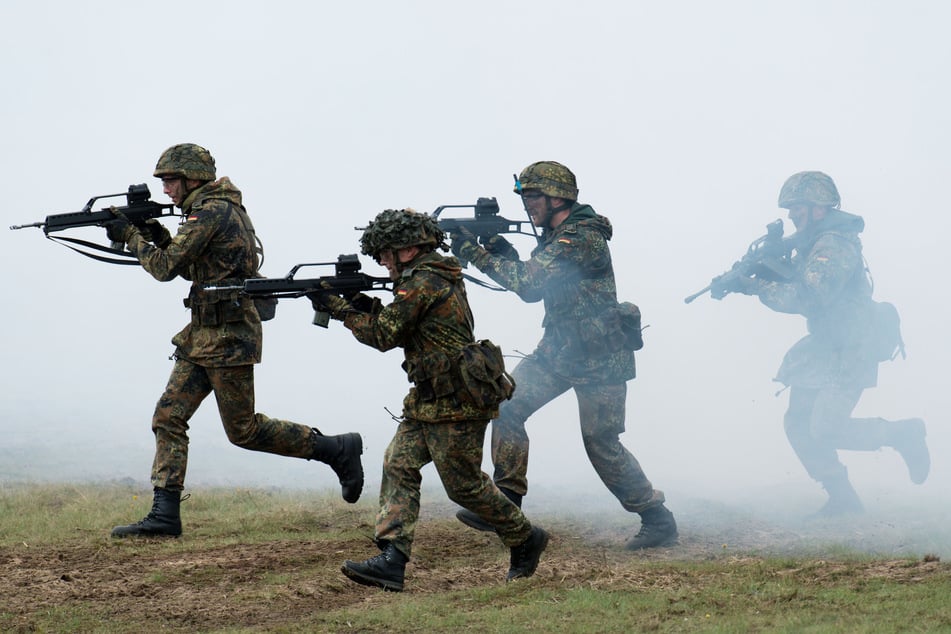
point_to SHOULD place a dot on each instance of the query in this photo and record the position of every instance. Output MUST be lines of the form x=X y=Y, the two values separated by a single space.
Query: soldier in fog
x=588 y=345
x=217 y=349
x=849 y=334
x=457 y=386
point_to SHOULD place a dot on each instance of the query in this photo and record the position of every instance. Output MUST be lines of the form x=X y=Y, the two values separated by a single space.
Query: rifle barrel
x=32 y=224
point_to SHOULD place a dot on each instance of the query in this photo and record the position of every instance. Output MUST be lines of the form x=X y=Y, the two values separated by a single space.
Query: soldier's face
x=535 y=206
x=802 y=215
x=393 y=259
x=174 y=188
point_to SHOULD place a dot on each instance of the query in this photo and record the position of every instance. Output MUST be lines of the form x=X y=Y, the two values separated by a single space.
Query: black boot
x=162 y=521
x=385 y=571
x=472 y=520
x=908 y=439
x=525 y=556
x=658 y=528
x=342 y=453
x=843 y=500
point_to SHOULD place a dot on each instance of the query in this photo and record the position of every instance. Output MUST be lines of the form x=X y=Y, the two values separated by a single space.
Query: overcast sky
x=681 y=121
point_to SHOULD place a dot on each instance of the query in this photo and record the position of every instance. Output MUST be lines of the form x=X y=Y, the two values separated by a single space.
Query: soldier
x=828 y=369
x=571 y=271
x=447 y=410
x=217 y=350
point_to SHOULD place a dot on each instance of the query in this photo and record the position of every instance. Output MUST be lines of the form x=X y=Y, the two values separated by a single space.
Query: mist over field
x=680 y=120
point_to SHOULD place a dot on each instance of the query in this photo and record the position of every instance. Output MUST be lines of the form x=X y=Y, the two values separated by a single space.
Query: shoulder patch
x=564 y=241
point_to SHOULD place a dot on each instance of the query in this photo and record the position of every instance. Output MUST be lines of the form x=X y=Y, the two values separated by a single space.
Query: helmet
x=399 y=228
x=188 y=161
x=814 y=188
x=548 y=177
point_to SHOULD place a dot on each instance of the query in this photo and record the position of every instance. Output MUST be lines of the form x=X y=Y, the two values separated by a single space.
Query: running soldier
x=217 y=350
x=457 y=386
x=849 y=335
x=584 y=347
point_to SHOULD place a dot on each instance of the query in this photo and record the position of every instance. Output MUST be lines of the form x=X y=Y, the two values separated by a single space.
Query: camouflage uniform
x=829 y=368
x=216 y=351
x=431 y=320
x=571 y=271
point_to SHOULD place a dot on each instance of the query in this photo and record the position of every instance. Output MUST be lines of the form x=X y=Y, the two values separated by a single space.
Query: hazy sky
x=680 y=119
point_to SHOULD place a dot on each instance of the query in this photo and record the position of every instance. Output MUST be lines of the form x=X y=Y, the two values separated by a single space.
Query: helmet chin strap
x=551 y=210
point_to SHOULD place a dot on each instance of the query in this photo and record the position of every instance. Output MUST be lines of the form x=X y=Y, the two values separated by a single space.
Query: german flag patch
x=564 y=241
x=401 y=292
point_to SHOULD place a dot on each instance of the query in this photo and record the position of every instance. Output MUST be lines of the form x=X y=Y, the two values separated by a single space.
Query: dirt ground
x=264 y=586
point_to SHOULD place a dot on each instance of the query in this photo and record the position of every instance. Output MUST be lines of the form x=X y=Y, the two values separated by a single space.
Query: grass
x=255 y=560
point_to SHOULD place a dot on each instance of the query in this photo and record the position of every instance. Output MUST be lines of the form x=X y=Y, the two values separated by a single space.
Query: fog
x=681 y=121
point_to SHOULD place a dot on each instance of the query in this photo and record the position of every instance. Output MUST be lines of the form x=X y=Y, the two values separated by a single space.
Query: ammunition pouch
x=216 y=308
x=613 y=330
x=885 y=339
x=476 y=376
x=432 y=375
x=482 y=374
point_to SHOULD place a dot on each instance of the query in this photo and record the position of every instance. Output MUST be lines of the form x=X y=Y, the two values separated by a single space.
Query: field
x=268 y=560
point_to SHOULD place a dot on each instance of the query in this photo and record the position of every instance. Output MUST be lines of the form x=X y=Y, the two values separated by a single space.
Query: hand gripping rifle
x=346 y=282
x=138 y=208
x=484 y=224
x=766 y=258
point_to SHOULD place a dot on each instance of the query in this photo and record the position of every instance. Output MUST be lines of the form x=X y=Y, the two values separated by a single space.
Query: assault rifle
x=346 y=281
x=486 y=221
x=138 y=208
x=766 y=258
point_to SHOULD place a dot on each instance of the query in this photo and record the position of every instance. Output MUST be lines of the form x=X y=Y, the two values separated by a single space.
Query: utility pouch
x=630 y=316
x=885 y=340
x=432 y=376
x=482 y=374
x=615 y=329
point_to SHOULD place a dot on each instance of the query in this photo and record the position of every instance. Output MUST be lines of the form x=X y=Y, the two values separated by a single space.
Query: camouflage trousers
x=187 y=387
x=601 y=412
x=818 y=422
x=455 y=449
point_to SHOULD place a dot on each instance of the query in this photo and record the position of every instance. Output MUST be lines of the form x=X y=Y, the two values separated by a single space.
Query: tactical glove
x=498 y=245
x=366 y=304
x=464 y=245
x=156 y=233
x=119 y=229
x=326 y=301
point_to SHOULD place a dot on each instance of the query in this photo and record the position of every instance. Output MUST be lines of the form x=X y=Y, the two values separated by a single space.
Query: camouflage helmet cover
x=398 y=229
x=188 y=161
x=814 y=188
x=550 y=178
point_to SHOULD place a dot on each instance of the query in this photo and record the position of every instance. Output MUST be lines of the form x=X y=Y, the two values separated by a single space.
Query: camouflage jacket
x=831 y=289
x=430 y=319
x=214 y=245
x=571 y=272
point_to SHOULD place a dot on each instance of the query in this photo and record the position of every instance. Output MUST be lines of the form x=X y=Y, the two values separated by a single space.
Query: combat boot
x=909 y=441
x=162 y=521
x=342 y=453
x=472 y=520
x=658 y=528
x=843 y=500
x=524 y=557
x=386 y=570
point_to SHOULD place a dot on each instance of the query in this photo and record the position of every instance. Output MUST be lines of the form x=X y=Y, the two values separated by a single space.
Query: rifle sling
x=482 y=283
x=130 y=260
